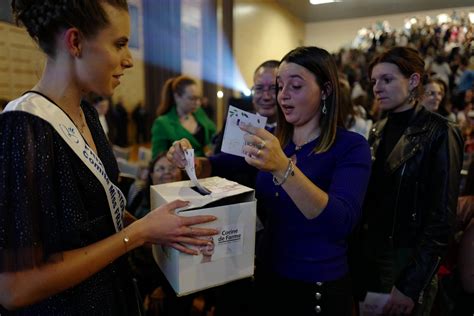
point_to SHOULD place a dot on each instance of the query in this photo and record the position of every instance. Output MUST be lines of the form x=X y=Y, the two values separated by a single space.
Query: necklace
x=185 y=117
x=298 y=147
x=82 y=126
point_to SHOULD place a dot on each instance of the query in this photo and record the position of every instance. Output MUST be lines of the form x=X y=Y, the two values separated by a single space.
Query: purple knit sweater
x=315 y=250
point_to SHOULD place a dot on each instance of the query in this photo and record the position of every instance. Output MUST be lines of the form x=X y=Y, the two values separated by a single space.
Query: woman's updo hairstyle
x=44 y=19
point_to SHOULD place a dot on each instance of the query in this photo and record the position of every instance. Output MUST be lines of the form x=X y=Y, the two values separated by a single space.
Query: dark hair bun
x=40 y=17
x=45 y=19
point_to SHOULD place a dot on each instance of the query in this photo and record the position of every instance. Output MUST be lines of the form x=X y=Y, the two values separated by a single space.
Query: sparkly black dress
x=50 y=202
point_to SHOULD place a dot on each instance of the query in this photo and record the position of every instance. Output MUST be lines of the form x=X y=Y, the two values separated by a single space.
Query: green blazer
x=167 y=128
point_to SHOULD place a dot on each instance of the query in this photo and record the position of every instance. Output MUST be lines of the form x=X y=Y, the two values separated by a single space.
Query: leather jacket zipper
x=396 y=205
x=420 y=298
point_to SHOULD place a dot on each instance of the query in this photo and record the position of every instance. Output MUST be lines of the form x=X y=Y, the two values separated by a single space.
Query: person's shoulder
x=19 y=119
x=165 y=119
x=19 y=130
x=345 y=136
x=439 y=123
x=439 y=127
x=165 y=125
x=425 y=118
x=349 y=143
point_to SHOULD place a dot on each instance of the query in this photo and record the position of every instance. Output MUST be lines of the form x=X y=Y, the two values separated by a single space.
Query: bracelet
x=125 y=240
x=289 y=170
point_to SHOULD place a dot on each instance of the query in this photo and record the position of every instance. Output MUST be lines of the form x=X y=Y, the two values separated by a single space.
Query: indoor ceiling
x=347 y=9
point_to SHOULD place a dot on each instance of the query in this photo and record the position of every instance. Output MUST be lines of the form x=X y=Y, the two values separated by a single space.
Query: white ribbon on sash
x=39 y=106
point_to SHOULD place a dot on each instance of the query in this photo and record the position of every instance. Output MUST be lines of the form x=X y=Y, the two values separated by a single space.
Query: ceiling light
x=247 y=92
x=443 y=18
x=316 y=2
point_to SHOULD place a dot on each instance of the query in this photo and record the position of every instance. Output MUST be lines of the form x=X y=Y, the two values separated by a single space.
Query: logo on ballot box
x=230 y=241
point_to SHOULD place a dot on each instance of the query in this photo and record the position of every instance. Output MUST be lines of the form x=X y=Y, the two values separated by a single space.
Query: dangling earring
x=324 y=109
x=411 y=97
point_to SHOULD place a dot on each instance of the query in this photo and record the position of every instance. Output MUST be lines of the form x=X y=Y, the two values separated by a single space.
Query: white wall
x=333 y=35
x=263 y=30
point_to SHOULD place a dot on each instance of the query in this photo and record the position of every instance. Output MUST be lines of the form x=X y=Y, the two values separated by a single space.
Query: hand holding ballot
x=233 y=142
x=181 y=154
x=245 y=135
x=262 y=150
x=176 y=153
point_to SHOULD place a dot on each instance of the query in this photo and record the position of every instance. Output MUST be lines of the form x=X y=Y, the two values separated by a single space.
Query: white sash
x=39 y=106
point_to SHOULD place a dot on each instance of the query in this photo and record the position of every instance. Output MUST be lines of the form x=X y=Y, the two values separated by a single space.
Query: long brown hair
x=319 y=62
x=173 y=85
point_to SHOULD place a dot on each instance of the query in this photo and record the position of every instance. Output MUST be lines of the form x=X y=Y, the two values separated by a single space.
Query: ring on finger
x=261 y=145
x=258 y=153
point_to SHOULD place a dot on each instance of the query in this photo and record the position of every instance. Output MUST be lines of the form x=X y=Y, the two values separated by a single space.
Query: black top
x=51 y=202
x=396 y=125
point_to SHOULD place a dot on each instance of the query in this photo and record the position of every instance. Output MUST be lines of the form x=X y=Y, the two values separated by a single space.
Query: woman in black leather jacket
x=411 y=200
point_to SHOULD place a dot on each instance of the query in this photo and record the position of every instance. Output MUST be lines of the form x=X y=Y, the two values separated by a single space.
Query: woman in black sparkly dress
x=62 y=238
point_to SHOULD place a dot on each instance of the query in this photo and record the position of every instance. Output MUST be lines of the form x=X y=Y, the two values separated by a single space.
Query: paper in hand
x=233 y=141
x=373 y=304
x=191 y=172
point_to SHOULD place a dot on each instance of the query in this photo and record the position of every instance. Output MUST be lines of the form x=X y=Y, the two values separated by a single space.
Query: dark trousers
x=279 y=296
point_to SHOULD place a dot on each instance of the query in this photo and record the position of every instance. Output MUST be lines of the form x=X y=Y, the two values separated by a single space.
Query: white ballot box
x=230 y=254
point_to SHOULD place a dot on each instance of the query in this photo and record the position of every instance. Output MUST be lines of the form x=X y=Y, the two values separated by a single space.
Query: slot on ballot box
x=229 y=255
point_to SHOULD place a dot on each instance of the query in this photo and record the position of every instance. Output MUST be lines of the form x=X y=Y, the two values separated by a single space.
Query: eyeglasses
x=190 y=97
x=258 y=90
x=193 y=98
x=163 y=169
x=433 y=93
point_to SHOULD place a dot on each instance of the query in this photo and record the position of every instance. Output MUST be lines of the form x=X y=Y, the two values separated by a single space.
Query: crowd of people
x=357 y=175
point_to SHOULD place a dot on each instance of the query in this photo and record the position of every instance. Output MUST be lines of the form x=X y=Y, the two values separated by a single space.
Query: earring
x=324 y=109
x=411 y=96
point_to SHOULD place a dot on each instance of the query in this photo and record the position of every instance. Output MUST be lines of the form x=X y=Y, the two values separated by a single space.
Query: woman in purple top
x=312 y=180
x=311 y=186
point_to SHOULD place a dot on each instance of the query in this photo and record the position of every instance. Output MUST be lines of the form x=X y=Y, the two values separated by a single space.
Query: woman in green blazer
x=180 y=116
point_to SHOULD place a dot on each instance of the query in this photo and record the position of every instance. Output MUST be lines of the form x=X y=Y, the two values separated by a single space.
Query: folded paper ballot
x=233 y=141
x=373 y=304
x=191 y=171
